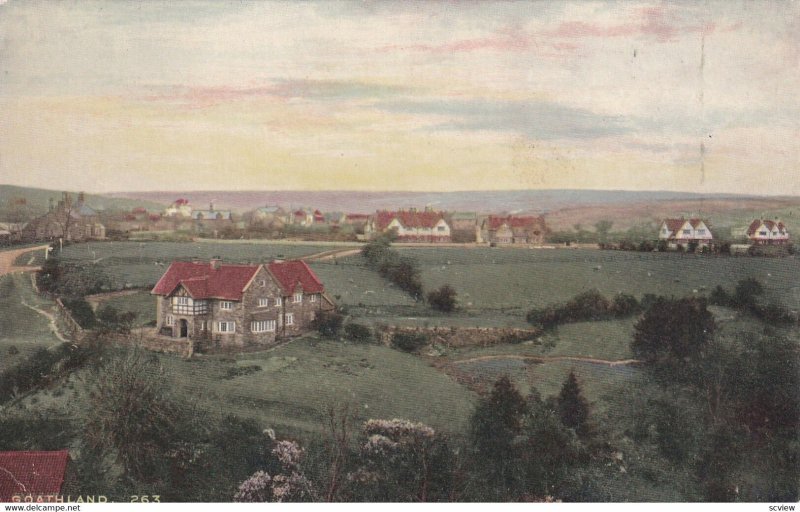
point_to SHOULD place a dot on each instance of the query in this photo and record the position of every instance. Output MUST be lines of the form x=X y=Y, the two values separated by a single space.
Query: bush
x=13 y=350
x=625 y=305
x=328 y=323
x=443 y=299
x=409 y=341
x=358 y=333
x=720 y=297
x=81 y=311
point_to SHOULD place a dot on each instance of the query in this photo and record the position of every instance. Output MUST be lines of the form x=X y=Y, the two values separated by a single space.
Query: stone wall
x=463 y=336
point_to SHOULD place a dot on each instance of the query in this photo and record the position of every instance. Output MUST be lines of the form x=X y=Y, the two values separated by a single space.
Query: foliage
x=402 y=271
x=110 y=319
x=328 y=323
x=81 y=311
x=443 y=299
x=747 y=291
x=587 y=306
x=409 y=341
x=573 y=409
x=357 y=332
x=672 y=329
x=289 y=484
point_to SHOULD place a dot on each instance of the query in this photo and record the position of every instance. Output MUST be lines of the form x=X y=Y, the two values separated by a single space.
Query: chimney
x=211 y=206
x=81 y=197
x=215 y=262
x=50 y=205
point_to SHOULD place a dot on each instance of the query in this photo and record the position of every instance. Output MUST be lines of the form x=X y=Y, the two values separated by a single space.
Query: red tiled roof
x=675 y=224
x=513 y=222
x=770 y=224
x=289 y=273
x=204 y=282
x=299 y=213
x=424 y=219
x=357 y=216
x=179 y=202
x=36 y=473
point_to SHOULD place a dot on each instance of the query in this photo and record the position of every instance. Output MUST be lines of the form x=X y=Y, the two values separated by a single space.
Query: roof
x=204 y=282
x=770 y=224
x=675 y=224
x=413 y=219
x=179 y=202
x=357 y=216
x=85 y=210
x=513 y=222
x=36 y=473
x=289 y=274
x=211 y=214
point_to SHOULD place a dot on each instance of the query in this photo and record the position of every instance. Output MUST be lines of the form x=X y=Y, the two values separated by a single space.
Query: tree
x=328 y=323
x=672 y=330
x=130 y=417
x=573 y=407
x=494 y=425
x=602 y=227
x=746 y=292
x=443 y=299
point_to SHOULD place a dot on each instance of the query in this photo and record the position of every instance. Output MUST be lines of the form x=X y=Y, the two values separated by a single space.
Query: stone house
x=75 y=221
x=513 y=230
x=218 y=305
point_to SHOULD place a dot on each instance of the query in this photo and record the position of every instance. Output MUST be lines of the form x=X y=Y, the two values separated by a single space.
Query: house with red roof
x=179 y=208
x=768 y=232
x=220 y=305
x=512 y=229
x=410 y=225
x=682 y=232
x=36 y=475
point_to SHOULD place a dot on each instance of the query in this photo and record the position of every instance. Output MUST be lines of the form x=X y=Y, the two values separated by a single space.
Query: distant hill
x=542 y=201
x=37 y=200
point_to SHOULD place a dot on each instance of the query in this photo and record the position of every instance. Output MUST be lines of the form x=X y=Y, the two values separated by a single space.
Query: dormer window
x=226 y=304
x=298 y=297
x=687 y=231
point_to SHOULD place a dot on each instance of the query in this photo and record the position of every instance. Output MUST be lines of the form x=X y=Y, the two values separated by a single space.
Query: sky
x=108 y=96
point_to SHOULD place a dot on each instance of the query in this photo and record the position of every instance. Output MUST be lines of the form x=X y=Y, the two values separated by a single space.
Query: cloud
x=537 y=119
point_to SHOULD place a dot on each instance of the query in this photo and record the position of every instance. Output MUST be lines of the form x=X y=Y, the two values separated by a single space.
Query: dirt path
x=7 y=259
x=329 y=255
x=550 y=359
x=51 y=317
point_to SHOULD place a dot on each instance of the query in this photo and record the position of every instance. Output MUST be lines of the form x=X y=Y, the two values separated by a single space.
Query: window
x=314 y=298
x=701 y=231
x=226 y=326
x=263 y=283
x=263 y=326
x=262 y=303
x=226 y=304
x=169 y=320
x=762 y=233
x=687 y=231
x=182 y=301
x=298 y=297
x=289 y=320
x=440 y=228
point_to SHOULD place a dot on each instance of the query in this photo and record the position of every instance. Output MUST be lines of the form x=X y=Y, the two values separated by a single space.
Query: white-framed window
x=298 y=297
x=701 y=231
x=762 y=233
x=183 y=301
x=289 y=319
x=226 y=326
x=263 y=326
x=169 y=320
x=687 y=231
x=262 y=303
x=440 y=228
x=278 y=301
x=226 y=304
x=314 y=297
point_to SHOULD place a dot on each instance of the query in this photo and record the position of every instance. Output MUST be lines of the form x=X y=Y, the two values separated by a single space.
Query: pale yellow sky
x=429 y=96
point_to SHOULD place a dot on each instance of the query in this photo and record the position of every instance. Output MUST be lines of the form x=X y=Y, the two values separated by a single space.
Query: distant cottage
x=410 y=225
x=681 y=232
x=74 y=221
x=768 y=232
x=513 y=230
x=219 y=305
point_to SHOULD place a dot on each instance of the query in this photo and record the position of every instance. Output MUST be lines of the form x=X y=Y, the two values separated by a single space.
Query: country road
x=550 y=359
x=7 y=259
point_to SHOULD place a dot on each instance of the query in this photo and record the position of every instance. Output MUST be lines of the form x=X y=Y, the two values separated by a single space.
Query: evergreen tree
x=573 y=407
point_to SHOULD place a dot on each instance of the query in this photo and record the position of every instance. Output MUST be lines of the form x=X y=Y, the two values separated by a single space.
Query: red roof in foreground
x=289 y=273
x=204 y=282
x=36 y=473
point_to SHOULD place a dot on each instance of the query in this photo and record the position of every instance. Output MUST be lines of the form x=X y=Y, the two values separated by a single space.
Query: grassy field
x=20 y=326
x=141 y=303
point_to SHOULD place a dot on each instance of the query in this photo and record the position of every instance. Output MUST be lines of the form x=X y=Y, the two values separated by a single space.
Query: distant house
x=682 y=232
x=302 y=217
x=512 y=229
x=410 y=225
x=768 y=232
x=269 y=215
x=180 y=208
x=218 y=305
x=75 y=221
x=36 y=475
x=319 y=218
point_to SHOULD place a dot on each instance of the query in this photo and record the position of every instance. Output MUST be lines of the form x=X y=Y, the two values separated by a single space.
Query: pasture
x=21 y=326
